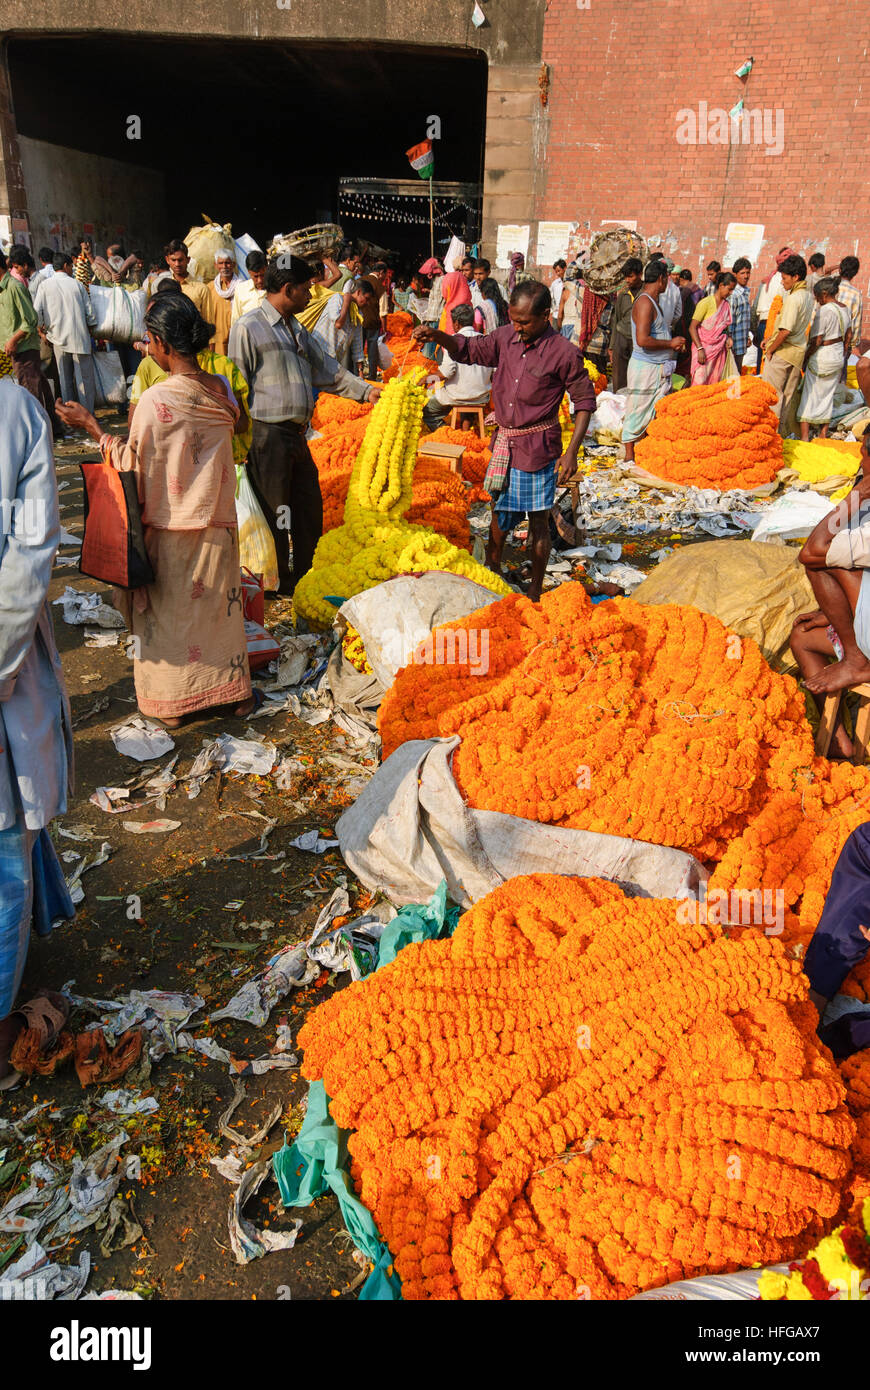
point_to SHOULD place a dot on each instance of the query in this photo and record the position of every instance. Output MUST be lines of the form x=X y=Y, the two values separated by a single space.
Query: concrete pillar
x=13 y=199
x=515 y=131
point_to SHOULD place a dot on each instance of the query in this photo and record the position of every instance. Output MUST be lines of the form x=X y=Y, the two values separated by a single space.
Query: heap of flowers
x=721 y=436
x=332 y=410
x=579 y=1095
x=354 y=650
x=646 y=721
x=837 y=1268
x=823 y=459
x=375 y=540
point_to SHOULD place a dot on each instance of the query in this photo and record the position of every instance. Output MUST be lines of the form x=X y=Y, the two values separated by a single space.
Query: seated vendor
x=465 y=385
x=841 y=941
x=837 y=561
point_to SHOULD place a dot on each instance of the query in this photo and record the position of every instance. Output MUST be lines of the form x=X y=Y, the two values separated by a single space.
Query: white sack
x=110 y=380
x=410 y=828
x=120 y=313
x=395 y=617
x=792 y=516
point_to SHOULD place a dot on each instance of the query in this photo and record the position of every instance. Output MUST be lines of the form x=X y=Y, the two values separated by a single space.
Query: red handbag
x=113 y=548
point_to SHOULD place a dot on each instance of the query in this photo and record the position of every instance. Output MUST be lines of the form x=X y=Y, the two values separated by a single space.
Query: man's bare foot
x=840 y=676
x=250 y=706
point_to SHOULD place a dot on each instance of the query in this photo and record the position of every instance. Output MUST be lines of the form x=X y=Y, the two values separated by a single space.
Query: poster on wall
x=743 y=239
x=554 y=239
x=510 y=238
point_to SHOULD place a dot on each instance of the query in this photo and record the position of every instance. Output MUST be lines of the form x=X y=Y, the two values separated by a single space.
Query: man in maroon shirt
x=534 y=367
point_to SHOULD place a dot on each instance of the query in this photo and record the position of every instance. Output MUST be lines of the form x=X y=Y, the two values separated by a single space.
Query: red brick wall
x=619 y=73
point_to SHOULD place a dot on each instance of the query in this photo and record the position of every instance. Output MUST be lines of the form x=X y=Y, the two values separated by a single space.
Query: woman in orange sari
x=190 y=652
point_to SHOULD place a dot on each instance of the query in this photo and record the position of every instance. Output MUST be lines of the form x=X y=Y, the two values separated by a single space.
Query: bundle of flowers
x=647 y=721
x=439 y=498
x=375 y=541
x=331 y=409
x=825 y=458
x=338 y=445
x=407 y=358
x=721 y=436
x=399 y=326
x=837 y=1268
x=355 y=652
x=581 y=1095
x=596 y=376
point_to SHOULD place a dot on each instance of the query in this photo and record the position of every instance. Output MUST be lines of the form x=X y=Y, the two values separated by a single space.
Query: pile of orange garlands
x=580 y=1096
x=721 y=436
x=475 y=460
x=649 y=721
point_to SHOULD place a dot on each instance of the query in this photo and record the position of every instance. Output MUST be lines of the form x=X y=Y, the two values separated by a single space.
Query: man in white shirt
x=46 y=269
x=671 y=305
x=556 y=287
x=64 y=310
x=251 y=293
x=464 y=385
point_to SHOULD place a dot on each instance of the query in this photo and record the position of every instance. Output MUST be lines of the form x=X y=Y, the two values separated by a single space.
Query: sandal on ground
x=41 y=1039
x=97 y=1063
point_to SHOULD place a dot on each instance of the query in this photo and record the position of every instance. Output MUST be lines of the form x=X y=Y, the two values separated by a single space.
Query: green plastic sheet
x=317 y=1162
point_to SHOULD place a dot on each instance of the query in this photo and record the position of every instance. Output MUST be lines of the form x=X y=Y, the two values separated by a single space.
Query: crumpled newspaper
x=35 y=1276
x=614 y=500
x=289 y=969
x=80 y=607
x=312 y=842
x=247 y=1242
x=161 y=1013
x=74 y=878
x=352 y=947
x=141 y=739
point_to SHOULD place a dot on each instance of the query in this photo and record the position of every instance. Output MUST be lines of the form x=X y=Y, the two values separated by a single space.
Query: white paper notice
x=510 y=238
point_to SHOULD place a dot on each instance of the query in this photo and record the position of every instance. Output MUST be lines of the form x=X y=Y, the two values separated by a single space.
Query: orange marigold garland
x=721 y=436
x=627 y=719
x=579 y=1095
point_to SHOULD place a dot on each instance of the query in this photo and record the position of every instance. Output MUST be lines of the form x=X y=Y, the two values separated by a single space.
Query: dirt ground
x=187 y=939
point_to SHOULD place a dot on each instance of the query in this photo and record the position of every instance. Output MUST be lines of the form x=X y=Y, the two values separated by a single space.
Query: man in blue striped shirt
x=740 y=310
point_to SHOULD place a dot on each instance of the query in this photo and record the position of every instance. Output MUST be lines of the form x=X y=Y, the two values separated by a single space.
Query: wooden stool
x=476 y=410
x=828 y=722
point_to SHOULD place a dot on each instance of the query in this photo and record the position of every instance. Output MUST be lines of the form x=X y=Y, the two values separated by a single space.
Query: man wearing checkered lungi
x=534 y=367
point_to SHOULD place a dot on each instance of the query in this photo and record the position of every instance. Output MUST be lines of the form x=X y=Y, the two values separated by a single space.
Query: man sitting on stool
x=465 y=386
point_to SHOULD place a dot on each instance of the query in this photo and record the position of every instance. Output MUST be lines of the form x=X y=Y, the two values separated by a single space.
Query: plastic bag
x=385 y=356
x=256 y=543
x=110 y=380
x=609 y=414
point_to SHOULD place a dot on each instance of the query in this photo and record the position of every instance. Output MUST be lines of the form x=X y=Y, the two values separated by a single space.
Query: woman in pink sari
x=455 y=291
x=190 y=652
x=712 y=358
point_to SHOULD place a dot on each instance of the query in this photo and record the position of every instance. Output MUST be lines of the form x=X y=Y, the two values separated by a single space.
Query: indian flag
x=422 y=158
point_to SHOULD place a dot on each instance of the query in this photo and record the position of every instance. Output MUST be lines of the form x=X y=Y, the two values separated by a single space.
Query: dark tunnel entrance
x=252 y=132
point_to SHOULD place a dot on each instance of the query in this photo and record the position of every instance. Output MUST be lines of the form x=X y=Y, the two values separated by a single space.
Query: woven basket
x=307 y=241
x=608 y=252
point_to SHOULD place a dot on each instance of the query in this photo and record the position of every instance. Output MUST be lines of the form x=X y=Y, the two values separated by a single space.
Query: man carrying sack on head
x=534 y=367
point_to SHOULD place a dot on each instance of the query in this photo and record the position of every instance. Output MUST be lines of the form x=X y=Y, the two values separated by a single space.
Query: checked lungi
x=526 y=492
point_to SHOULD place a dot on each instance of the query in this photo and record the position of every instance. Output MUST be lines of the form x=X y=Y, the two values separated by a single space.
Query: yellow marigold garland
x=529 y=1114
x=375 y=541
